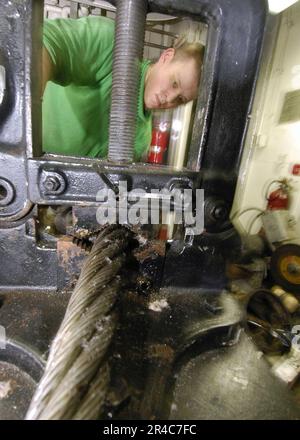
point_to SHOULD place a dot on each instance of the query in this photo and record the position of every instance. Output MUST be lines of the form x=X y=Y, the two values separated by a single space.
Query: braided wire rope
x=77 y=376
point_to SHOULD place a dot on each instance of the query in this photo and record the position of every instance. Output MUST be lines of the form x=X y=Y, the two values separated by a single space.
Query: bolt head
x=220 y=212
x=51 y=183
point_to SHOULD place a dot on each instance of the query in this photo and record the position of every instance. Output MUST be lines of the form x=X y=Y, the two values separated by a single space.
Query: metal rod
x=128 y=50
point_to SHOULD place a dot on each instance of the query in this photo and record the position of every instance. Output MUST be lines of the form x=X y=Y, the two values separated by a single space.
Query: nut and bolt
x=52 y=183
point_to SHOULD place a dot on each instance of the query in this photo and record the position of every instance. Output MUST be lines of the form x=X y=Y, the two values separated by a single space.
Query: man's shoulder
x=93 y=22
x=98 y=22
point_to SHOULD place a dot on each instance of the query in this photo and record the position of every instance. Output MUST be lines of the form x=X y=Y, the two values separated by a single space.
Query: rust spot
x=67 y=251
x=152 y=248
x=70 y=259
x=162 y=351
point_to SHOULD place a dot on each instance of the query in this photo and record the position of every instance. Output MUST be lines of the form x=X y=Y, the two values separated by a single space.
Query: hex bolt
x=51 y=183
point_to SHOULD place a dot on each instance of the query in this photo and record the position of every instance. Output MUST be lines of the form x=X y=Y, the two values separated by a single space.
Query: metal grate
x=158 y=34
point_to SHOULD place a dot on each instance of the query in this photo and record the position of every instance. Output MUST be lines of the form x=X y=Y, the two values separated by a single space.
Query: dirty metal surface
x=20 y=371
x=33 y=318
x=16 y=391
x=232 y=383
x=30 y=321
x=159 y=329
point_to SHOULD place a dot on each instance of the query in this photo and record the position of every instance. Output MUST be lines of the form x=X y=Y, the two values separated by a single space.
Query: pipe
x=128 y=50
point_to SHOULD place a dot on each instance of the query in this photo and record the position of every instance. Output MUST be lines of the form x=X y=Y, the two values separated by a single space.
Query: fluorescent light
x=276 y=6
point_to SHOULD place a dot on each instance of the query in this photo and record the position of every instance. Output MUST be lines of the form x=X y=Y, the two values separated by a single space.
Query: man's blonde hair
x=185 y=50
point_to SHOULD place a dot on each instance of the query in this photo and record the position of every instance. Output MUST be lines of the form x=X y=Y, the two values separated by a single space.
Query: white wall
x=272 y=148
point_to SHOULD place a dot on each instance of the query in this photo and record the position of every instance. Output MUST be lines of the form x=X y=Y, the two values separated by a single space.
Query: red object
x=158 y=147
x=163 y=233
x=160 y=137
x=296 y=169
x=279 y=199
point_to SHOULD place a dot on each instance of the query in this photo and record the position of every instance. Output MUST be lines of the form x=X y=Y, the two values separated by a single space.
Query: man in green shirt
x=77 y=69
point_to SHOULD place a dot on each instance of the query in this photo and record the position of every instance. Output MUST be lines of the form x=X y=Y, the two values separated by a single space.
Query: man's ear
x=167 y=55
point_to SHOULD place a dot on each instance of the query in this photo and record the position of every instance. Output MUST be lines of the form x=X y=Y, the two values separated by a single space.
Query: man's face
x=170 y=82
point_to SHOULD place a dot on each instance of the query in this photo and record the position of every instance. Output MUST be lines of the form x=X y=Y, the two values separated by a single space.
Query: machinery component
x=216 y=213
x=285 y=267
x=20 y=371
x=268 y=322
x=177 y=151
x=215 y=154
x=77 y=364
x=83 y=243
x=237 y=374
x=52 y=183
x=20 y=121
x=83 y=181
x=128 y=49
x=255 y=271
x=288 y=300
x=217 y=145
x=279 y=226
x=7 y=192
x=288 y=368
x=217 y=150
x=181 y=310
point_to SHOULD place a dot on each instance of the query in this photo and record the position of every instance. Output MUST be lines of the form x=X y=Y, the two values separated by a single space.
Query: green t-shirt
x=76 y=104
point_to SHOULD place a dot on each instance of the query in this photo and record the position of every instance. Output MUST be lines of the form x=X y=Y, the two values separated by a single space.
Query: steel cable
x=76 y=376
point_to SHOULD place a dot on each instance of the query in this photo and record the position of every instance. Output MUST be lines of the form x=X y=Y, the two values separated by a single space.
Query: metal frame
x=226 y=91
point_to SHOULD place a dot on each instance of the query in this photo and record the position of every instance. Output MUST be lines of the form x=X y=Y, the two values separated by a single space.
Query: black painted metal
x=236 y=30
x=33 y=265
x=81 y=180
x=20 y=49
x=235 y=37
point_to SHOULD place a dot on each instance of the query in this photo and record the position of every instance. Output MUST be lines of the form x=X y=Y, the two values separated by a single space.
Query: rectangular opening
x=171 y=129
